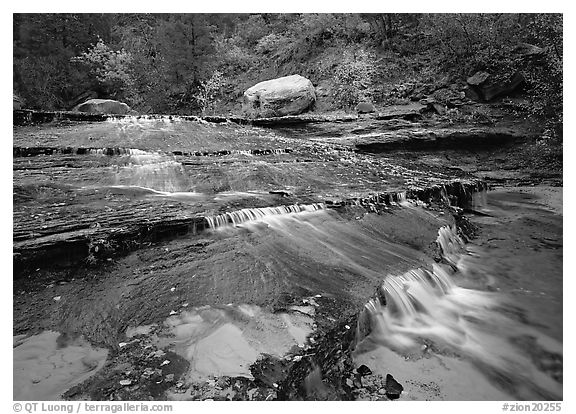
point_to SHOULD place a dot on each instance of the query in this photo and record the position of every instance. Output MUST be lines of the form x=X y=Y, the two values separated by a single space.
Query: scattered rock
x=125 y=383
x=363 y=370
x=393 y=388
x=290 y=95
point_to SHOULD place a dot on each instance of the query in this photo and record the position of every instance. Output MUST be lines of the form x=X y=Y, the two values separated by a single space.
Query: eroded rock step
x=67 y=242
x=441 y=138
x=27 y=117
x=119 y=151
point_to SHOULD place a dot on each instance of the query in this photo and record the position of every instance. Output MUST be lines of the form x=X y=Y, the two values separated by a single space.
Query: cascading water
x=151 y=171
x=236 y=218
x=427 y=307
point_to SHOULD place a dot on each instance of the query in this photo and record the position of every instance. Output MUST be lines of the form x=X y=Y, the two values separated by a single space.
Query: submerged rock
x=290 y=95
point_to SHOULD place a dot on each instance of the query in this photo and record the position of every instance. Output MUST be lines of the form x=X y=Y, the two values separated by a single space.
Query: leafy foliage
x=168 y=63
x=111 y=68
x=353 y=78
x=209 y=92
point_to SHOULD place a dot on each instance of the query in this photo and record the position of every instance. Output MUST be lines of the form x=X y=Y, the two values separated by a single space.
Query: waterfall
x=253 y=214
x=424 y=306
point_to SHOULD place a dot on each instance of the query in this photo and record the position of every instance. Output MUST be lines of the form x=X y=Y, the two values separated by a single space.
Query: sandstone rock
x=478 y=79
x=103 y=106
x=495 y=90
x=290 y=95
x=365 y=108
x=482 y=86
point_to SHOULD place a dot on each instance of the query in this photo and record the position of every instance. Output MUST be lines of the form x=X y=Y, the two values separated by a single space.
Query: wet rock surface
x=113 y=218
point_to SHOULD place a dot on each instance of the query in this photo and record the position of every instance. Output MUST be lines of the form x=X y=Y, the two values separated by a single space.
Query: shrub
x=209 y=92
x=111 y=69
x=353 y=78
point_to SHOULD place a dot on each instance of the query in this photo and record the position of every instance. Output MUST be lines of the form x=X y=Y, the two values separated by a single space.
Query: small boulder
x=393 y=388
x=365 y=108
x=289 y=95
x=478 y=79
x=103 y=106
x=363 y=370
x=484 y=87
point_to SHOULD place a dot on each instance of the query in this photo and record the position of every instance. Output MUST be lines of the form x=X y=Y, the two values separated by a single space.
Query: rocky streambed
x=187 y=259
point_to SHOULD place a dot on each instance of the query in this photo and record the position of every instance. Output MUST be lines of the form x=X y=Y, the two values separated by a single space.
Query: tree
x=112 y=69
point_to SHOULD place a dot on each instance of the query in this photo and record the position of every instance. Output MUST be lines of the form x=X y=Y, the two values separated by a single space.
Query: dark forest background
x=202 y=63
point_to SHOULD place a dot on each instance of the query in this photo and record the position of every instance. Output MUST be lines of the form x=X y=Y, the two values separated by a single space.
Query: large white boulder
x=103 y=106
x=290 y=95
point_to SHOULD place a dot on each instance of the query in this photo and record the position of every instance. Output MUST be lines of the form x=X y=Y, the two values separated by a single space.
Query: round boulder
x=290 y=95
x=103 y=106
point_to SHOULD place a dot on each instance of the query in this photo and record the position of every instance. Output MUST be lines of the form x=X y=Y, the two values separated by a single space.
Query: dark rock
x=269 y=370
x=103 y=106
x=483 y=87
x=363 y=370
x=290 y=95
x=393 y=388
x=528 y=50
x=496 y=90
x=365 y=108
x=280 y=193
x=409 y=112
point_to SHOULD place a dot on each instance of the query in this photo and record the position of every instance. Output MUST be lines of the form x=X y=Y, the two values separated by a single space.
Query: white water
x=153 y=171
x=236 y=218
x=426 y=308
